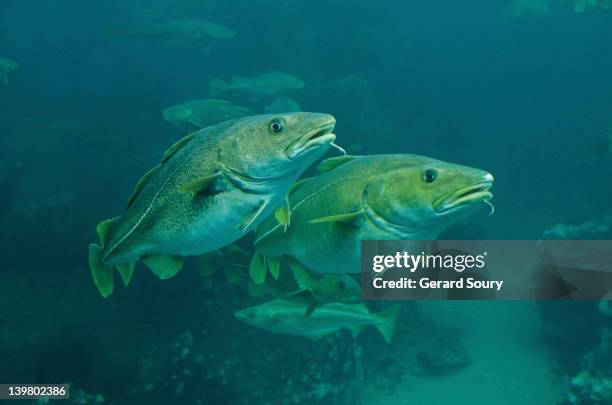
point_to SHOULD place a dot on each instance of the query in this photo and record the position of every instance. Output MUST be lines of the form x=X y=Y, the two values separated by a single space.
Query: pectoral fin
x=163 y=266
x=203 y=186
x=311 y=308
x=353 y=218
x=282 y=215
x=250 y=218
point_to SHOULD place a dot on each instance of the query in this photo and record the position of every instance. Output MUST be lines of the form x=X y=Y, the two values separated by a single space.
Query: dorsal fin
x=177 y=146
x=102 y=229
x=331 y=163
x=140 y=185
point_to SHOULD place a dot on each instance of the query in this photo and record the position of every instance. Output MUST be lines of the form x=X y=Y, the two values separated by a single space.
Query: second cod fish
x=378 y=197
x=210 y=188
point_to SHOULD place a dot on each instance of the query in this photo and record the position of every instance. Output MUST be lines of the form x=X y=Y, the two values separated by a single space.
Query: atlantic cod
x=205 y=112
x=192 y=32
x=378 y=197
x=210 y=189
x=272 y=84
x=286 y=317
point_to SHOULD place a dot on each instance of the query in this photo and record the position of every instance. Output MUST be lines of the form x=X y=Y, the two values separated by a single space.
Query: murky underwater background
x=522 y=89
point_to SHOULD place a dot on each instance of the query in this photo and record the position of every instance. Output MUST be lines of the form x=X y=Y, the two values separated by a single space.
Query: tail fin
x=103 y=277
x=216 y=87
x=387 y=320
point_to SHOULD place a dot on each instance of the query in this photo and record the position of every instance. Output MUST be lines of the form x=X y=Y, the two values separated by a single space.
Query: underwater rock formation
x=593 y=384
x=445 y=355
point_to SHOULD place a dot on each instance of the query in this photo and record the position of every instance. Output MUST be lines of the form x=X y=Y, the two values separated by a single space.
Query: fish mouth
x=320 y=136
x=463 y=197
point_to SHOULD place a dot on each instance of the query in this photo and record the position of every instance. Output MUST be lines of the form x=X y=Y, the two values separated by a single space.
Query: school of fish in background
x=198 y=146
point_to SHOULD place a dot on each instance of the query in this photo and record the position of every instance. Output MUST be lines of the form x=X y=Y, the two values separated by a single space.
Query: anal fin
x=163 y=266
x=273 y=264
x=126 y=270
x=257 y=269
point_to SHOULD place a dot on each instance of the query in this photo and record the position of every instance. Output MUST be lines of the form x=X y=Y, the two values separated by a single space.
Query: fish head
x=337 y=288
x=425 y=196
x=278 y=146
x=176 y=114
x=259 y=316
x=218 y=32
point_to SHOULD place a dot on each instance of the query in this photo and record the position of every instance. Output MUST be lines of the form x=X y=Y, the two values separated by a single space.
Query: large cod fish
x=379 y=197
x=210 y=188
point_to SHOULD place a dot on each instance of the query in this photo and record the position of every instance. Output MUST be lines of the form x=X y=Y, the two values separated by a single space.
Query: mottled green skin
x=163 y=219
x=389 y=188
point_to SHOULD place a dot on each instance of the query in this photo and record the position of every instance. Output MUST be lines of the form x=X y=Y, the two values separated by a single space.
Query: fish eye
x=277 y=125
x=341 y=285
x=430 y=175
